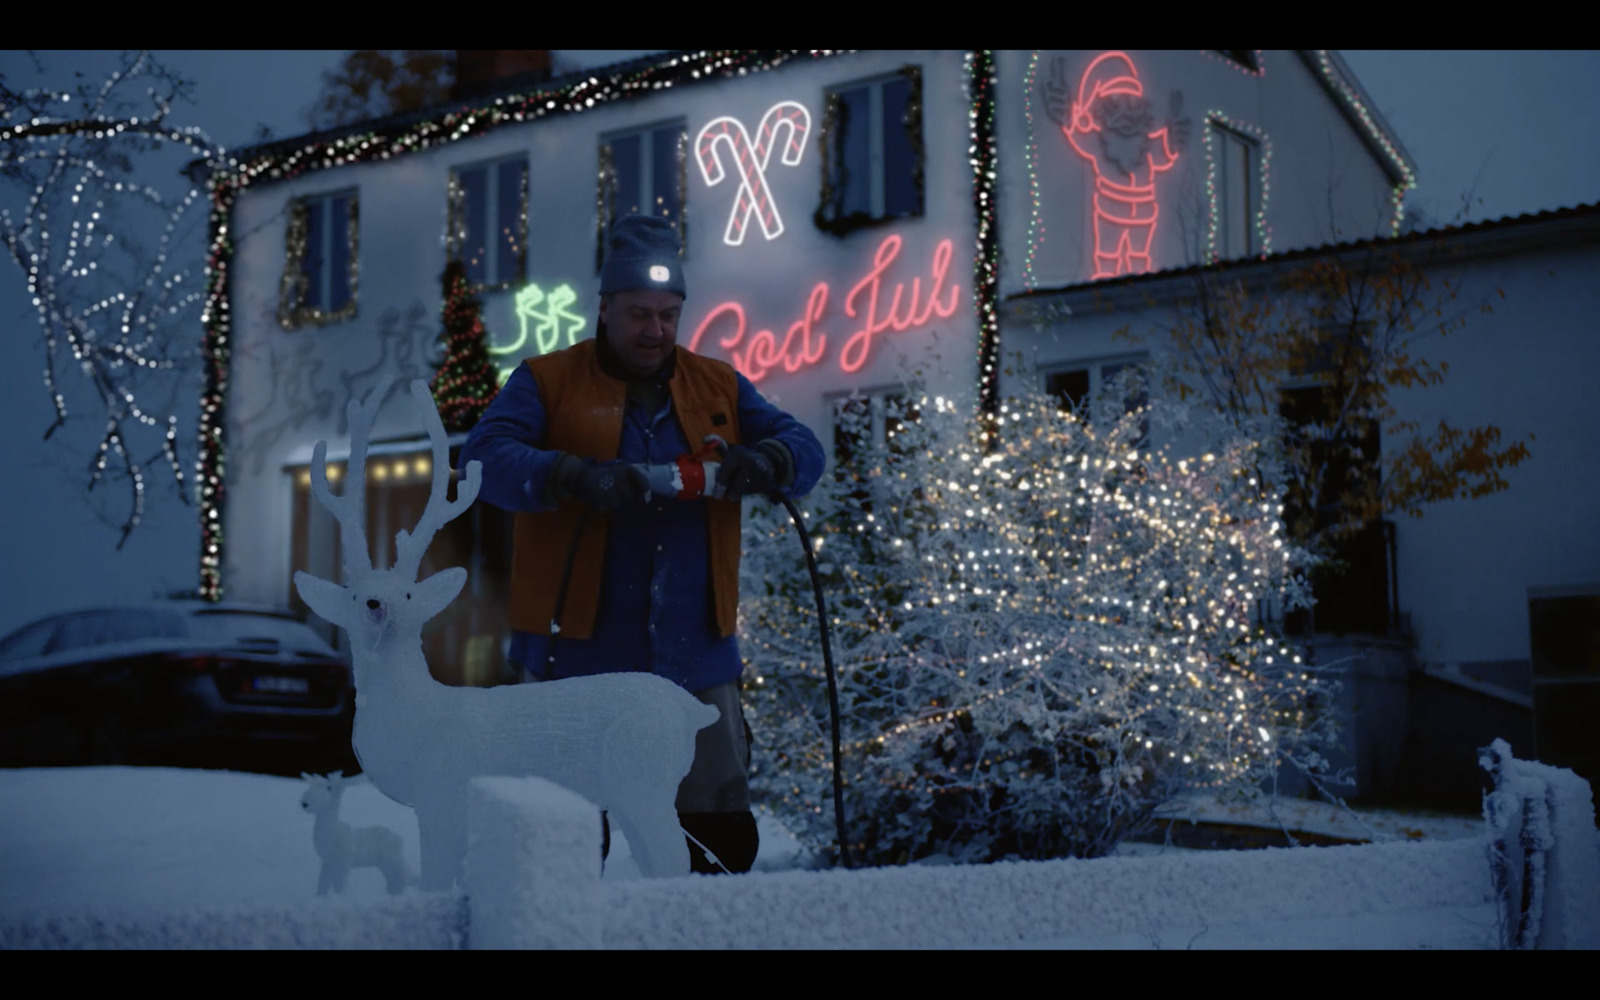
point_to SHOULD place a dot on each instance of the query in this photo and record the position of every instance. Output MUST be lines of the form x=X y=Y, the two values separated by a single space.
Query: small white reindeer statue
x=343 y=847
x=624 y=740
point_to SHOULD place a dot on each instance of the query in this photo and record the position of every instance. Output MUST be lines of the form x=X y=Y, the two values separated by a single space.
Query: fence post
x=532 y=874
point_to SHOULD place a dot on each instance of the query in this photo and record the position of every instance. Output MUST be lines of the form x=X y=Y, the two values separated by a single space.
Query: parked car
x=181 y=683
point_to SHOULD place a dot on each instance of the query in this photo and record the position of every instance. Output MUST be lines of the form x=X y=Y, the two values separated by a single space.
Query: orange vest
x=583 y=416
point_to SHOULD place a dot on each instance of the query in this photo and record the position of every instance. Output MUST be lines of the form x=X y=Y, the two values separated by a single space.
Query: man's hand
x=605 y=485
x=755 y=470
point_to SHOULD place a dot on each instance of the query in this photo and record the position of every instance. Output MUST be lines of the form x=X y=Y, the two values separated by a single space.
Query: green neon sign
x=550 y=317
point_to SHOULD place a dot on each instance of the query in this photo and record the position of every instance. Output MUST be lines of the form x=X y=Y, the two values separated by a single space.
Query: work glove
x=762 y=469
x=602 y=485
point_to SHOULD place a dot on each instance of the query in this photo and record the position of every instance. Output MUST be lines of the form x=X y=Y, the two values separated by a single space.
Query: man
x=654 y=581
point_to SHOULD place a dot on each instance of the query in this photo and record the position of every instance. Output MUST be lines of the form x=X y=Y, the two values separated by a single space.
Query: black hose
x=833 y=686
x=561 y=596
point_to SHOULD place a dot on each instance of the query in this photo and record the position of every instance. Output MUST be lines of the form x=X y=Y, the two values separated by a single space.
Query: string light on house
x=1257 y=73
x=1036 y=229
x=1213 y=196
x=986 y=260
x=1408 y=176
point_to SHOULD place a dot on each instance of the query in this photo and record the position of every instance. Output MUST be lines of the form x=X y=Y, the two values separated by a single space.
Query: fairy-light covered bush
x=1038 y=641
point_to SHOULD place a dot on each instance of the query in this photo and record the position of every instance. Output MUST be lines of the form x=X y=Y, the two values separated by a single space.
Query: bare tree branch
x=117 y=315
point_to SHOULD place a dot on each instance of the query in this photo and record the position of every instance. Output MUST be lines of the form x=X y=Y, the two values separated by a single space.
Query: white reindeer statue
x=343 y=847
x=624 y=740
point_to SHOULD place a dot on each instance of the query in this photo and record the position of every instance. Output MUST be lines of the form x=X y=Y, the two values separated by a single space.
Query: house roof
x=1375 y=131
x=1585 y=216
x=527 y=83
x=1378 y=135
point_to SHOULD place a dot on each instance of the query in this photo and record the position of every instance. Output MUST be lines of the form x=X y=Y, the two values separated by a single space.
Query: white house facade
x=852 y=222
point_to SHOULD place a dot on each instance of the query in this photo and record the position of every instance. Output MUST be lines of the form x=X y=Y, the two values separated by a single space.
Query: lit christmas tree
x=466 y=381
x=1037 y=644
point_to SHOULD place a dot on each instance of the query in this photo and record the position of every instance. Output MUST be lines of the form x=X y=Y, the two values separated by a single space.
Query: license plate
x=281 y=685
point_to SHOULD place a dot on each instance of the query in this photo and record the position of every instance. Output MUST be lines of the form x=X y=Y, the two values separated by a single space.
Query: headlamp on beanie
x=643 y=254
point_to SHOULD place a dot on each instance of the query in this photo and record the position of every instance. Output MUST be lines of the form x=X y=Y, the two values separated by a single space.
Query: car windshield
x=30 y=640
x=232 y=628
x=97 y=628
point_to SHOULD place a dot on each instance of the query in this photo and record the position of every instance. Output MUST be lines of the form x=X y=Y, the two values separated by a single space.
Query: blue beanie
x=643 y=254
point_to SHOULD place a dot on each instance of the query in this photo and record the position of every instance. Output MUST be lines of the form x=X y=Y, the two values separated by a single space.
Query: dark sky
x=1518 y=127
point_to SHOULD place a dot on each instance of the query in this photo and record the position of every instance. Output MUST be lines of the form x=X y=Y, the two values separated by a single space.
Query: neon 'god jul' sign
x=877 y=303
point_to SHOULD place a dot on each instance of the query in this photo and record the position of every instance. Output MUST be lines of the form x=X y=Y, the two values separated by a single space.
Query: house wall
x=1466 y=567
x=289 y=387
x=1528 y=367
x=1322 y=178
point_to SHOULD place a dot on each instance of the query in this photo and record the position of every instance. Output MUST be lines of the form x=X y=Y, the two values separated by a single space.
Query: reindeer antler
x=349 y=509
x=409 y=546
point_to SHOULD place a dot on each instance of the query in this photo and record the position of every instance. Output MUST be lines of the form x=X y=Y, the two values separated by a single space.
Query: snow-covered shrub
x=1038 y=640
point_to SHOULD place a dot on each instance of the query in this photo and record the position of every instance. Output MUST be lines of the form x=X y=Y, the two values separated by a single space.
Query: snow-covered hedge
x=1043 y=630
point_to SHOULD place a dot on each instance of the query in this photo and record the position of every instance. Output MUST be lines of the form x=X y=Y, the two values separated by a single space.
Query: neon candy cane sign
x=803 y=345
x=1111 y=126
x=751 y=159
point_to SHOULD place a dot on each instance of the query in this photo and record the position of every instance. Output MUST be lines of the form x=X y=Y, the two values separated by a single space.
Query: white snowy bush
x=1038 y=641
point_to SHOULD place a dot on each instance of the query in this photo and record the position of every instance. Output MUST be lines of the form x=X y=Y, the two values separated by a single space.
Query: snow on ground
x=1309 y=816
x=120 y=841
x=130 y=838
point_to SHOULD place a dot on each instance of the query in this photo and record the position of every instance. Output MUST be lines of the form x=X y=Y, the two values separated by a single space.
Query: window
x=643 y=171
x=489 y=222
x=1076 y=387
x=101 y=628
x=866 y=439
x=872 y=162
x=868 y=422
x=319 y=275
x=1564 y=627
x=1235 y=191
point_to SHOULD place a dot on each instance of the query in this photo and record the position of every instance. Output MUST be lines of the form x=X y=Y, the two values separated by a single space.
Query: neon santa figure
x=1110 y=125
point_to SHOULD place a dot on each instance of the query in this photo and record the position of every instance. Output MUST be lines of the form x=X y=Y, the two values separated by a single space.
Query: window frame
x=456 y=220
x=293 y=312
x=879 y=432
x=830 y=200
x=1222 y=135
x=606 y=195
x=1096 y=369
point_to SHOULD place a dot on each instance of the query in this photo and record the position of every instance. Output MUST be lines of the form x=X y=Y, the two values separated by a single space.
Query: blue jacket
x=655 y=609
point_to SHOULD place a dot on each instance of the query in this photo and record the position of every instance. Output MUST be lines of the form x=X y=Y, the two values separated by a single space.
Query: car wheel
x=105 y=742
